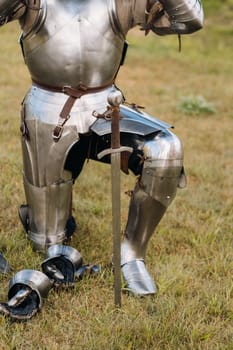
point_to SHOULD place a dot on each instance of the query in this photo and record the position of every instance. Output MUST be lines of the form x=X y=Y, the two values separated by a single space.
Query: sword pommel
x=115 y=98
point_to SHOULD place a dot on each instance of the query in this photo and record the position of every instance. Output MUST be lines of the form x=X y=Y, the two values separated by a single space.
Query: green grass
x=190 y=255
x=196 y=105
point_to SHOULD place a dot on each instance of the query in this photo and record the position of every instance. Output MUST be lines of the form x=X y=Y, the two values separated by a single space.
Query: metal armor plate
x=77 y=40
x=132 y=121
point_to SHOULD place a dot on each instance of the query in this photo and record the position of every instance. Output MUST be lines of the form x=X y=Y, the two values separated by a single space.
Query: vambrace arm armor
x=177 y=17
x=11 y=10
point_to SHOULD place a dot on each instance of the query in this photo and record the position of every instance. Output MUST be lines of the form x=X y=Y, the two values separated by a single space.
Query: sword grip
x=115 y=128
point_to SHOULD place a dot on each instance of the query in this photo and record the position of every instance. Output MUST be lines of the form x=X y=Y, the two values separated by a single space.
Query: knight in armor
x=73 y=51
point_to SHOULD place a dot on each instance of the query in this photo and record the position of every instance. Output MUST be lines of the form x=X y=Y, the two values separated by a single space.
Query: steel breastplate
x=74 y=44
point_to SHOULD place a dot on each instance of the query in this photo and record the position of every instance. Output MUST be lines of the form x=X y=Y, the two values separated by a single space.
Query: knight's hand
x=162 y=25
x=156 y=18
x=180 y=17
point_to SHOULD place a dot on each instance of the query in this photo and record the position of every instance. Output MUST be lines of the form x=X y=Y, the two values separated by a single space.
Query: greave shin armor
x=49 y=210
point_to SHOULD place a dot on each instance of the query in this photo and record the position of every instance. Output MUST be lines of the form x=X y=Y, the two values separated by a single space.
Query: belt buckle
x=57 y=132
x=65 y=88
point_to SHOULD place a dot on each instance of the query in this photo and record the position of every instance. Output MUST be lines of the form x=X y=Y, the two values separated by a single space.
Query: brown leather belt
x=74 y=93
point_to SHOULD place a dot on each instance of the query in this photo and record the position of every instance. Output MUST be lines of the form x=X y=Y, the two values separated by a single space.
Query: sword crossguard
x=114 y=150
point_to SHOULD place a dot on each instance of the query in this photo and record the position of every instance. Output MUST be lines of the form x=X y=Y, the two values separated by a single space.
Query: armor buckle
x=57 y=132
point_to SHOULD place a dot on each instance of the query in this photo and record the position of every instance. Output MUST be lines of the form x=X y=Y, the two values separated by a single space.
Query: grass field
x=190 y=255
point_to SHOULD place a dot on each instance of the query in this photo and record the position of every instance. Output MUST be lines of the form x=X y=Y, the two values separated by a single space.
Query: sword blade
x=115 y=98
x=116 y=202
x=116 y=225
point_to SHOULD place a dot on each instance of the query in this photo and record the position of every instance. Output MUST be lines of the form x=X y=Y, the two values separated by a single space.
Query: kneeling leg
x=154 y=192
x=48 y=186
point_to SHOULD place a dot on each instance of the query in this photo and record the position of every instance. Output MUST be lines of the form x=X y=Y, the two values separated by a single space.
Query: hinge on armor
x=23 y=125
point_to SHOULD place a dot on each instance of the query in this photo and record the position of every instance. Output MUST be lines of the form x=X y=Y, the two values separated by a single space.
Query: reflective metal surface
x=139 y=282
x=35 y=280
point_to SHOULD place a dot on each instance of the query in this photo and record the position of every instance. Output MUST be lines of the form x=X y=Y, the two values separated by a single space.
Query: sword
x=115 y=98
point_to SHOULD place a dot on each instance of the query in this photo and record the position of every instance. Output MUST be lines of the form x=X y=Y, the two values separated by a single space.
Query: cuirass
x=74 y=43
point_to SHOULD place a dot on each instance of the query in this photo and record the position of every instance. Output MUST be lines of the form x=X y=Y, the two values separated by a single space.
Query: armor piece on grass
x=5 y=267
x=25 y=296
x=87 y=270
x=61 y=264
x=161 y=175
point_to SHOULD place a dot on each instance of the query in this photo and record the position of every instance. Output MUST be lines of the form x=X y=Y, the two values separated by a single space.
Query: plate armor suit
x=73 y=50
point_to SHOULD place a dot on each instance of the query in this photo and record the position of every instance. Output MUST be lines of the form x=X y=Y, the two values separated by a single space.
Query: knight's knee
x=163 y=167
x=165 y=149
